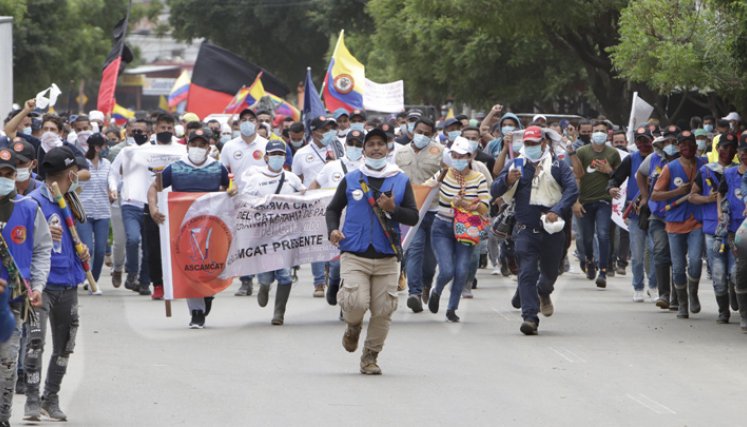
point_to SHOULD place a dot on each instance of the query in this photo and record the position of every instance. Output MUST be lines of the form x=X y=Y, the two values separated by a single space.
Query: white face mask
x=23 y=174
x=197 y=155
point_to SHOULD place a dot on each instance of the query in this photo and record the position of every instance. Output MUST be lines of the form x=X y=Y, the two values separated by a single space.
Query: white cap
x=179 y=131
x=733 y=116
x=96 y=115
x=461 y=145
x=537 y=117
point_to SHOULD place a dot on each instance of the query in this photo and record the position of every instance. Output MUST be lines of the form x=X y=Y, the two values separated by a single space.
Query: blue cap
x=275 y=145
x=340 y=112
x=451 y=122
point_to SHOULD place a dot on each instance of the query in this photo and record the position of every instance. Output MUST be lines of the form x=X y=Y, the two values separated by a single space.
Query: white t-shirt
x=239 y=157
x=135 y=173
x=309 y=161
x=332 y=173
x=264 y=182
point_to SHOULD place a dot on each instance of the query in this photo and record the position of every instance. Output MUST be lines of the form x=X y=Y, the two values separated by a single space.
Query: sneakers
x=245 y=289
x=620 y=270
x=116 y=279
x=451 y=316
x=98 y=291
x=433 y=302
x=198 y=320
x=653 y=295
x=591 y=270
x=505 y=272
x=528 y=328
x=496 y=271
x=638 y=296
x=516 y=299
x=467 y=293
x=144 y=290
x=414 y=303
x=32 y=409
x=108 y=260
x=368 y=363
x=350 y=338
x=610 y=272
x=157 y=292
x=602 y=280
x=51 y=408
x=546 y=307
x=263 y=296
x=131 y=283
x=662 y=302
x=318 y=291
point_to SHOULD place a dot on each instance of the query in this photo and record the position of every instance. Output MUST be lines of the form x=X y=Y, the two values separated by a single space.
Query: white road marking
x=650 y=404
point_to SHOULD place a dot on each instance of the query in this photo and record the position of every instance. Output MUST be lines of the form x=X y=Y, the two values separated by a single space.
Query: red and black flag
x=119 y=56
x=218 y=74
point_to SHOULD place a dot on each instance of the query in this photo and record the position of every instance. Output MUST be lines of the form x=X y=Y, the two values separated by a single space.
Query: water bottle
x=55 y=220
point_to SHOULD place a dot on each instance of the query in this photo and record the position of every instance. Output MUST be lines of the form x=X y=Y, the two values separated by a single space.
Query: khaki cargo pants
x=369 y=284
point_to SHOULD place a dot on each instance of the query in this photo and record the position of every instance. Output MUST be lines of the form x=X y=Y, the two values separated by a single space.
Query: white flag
x=44 y=102
x=384 y=97
x=639 y=112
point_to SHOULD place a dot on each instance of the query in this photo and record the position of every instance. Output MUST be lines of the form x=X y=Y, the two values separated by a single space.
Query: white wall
x=6 y=65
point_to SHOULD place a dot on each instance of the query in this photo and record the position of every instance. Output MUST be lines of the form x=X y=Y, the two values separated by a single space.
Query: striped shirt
x=475 y=187
x=95 y=192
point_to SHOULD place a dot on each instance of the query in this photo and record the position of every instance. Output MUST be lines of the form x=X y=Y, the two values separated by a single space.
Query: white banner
x=384 y=97
x=618 y=203
x=138 y=164
x=157 y=86
x=640 y=111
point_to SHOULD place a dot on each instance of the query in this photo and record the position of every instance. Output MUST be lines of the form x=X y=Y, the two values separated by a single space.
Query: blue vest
x=654 y=170
x=682 y=212
x=734 y=196
x=18 y=233
x=66 y=269
x=361 y=228
x=187 y=178
x=709 y=183
x=631 y=191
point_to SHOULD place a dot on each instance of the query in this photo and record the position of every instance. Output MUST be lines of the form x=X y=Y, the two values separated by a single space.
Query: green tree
x=683 y=46
x=60 y=41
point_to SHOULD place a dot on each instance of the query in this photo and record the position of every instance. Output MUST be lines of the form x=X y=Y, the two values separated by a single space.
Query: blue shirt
x=183 y=176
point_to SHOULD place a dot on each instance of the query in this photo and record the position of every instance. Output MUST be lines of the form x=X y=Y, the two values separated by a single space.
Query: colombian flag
x=345 y=79
x=180 y=91
x=250 y=96
x=122 y=115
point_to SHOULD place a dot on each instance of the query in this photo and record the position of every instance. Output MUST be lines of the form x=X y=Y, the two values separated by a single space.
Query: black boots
x=681 y=291
x=692 y=288
x=723 y=309
x=663 y=283
x=281 y=299
x=733 y=296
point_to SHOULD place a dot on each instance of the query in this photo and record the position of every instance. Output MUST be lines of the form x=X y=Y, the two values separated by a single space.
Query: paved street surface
x=601 y=360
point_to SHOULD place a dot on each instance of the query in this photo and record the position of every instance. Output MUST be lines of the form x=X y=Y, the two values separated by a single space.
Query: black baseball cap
x=672 y=131
x=58 y=159
x=7 y=159
x=685 y=136
x=388 y=130
x=322 y=121
x=247 y=111
x=375 y=132
x=23 y=151
x=203 y=134
x=275 y=146
x=644 y=132
x=358 y=113
x=355 y=135
x=414 y=114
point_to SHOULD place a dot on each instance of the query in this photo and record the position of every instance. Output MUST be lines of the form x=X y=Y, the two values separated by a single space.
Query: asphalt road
x=600 y=360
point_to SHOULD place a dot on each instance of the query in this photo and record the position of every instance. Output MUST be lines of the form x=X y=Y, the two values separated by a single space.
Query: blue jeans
x=474 y=264
x=420 y=263
x=317 y=270
x=722 y=264
x=597 y=219
x=94 y=233
x=283 y=276
x=133 y=218
x=686 y=250
x=536 y=248
x=453 y=260
x=638 y=242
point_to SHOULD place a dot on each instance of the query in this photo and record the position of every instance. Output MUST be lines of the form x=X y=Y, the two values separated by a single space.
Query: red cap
x=532 y=133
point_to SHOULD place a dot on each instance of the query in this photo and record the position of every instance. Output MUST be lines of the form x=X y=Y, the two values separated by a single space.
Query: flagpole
x=337 y=45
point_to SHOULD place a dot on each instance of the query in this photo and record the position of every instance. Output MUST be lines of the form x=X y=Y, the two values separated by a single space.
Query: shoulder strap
x=344 y=168
x=280 y=184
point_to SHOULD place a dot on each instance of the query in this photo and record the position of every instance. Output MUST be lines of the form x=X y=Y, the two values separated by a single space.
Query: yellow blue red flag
x=180 y=91
x=345 y=79
x=122 y=115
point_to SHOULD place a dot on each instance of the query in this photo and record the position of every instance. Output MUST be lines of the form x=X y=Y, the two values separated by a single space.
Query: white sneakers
x=496 y=271
x=638 y=296
x=653 y=295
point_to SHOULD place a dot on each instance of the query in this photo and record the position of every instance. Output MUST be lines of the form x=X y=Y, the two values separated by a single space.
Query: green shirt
x=594 y=183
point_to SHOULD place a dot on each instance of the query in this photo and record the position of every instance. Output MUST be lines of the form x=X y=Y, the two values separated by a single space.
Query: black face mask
x=164 y=137
x=140 y=138
x=585 y=138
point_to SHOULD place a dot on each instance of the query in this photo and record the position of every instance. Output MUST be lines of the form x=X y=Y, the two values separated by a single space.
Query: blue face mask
x=27 y=130
x=410 y=127
x=670 y=150
x=225 y=138
x=275 y=162
x=7 y=185
x=376 y=163
x=708 y=128
x=505 y=130
x=599 y=138
x=453 y=134
x=357 y=126
x=421 y=141
x=247 y=128
x=459 y=164
x=329 y=137
x=701 y=144
x=354 y=153
x=295 y=143
x=533 y=152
